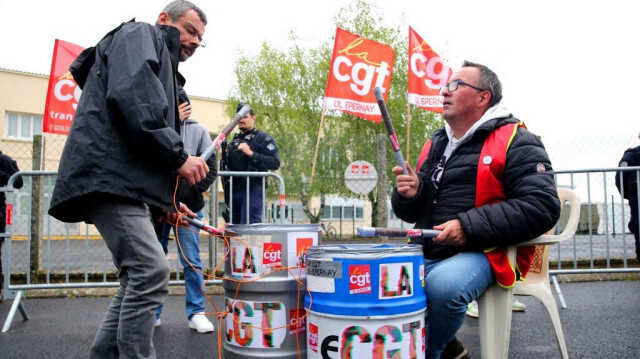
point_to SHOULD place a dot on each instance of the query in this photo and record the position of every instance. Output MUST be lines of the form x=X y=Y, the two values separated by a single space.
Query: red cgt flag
x=357 y=66
x=63 y=92
x=427 y=73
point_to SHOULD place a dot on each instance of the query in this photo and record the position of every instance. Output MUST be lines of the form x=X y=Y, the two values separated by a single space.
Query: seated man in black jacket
x=486 y=183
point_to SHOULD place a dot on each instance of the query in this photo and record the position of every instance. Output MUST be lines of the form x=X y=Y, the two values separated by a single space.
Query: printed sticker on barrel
x=359 y=279
x=302 y=244
x=390 y=338
x=297 y=321
x=297 y=245
x=313 y=337
x=255 y=324
x=243 y=261
x=396 y=280
x=272 y=254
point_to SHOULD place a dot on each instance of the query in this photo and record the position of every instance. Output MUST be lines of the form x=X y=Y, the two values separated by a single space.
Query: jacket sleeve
x=140 y=90
x=9 y=167
x=409 y=209
x=532 y=206
x=265 y=157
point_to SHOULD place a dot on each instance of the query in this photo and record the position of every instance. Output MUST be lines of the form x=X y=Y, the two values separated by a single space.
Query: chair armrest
x=565 y=195
x=545 y=240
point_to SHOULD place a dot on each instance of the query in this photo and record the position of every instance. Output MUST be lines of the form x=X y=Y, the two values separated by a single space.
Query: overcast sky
x=567 y=67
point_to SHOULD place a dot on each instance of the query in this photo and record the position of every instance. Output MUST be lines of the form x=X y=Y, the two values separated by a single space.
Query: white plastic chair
x=494 y=306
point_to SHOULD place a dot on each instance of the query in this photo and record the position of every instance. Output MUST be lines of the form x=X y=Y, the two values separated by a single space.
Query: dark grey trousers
x=127 y=328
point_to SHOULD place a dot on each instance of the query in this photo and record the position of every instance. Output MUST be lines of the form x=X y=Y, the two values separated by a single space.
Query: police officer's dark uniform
x=265 y=158
x=630 y=158
x=8 y=167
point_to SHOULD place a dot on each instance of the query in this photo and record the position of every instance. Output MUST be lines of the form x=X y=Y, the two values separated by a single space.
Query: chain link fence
x=586 y=165
x=344 y=213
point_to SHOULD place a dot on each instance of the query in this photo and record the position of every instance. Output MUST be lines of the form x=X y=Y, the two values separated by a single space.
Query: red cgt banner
x=357 y=66
x=427 y=73
x=63 y=92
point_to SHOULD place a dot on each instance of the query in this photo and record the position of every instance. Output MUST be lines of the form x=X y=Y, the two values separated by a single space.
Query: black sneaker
x=455 y=350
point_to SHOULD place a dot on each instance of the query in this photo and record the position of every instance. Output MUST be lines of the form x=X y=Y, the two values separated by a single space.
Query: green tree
x=286 y=90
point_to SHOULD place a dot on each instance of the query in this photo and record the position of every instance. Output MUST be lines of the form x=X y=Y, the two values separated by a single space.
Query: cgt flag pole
x=315 y=155
x=408 y=129
x=397 y=152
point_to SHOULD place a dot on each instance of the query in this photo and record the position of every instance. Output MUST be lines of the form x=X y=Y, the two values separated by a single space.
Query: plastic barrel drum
x=365 y=301
x=264 y=302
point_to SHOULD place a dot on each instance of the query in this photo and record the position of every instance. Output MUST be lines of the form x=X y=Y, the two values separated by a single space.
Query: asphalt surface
x=602 y=321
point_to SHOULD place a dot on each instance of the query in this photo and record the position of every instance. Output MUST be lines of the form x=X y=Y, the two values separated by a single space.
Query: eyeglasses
x=192 y=31
x=453 y=85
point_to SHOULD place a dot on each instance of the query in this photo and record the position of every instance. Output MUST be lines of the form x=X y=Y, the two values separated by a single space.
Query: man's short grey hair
x=488 y=80
x=177 y=8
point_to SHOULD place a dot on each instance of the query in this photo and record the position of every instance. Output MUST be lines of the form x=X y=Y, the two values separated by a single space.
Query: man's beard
x=183 y=56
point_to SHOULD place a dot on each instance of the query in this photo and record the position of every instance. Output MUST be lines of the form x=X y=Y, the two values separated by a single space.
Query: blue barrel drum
x=365 y=301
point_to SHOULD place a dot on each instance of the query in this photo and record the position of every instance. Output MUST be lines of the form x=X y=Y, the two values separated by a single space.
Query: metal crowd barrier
x=71 y=255
x=66 y=255
x=247 y=177
x=602 y=243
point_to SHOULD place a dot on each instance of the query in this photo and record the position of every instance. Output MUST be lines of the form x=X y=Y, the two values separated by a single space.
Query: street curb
x=217 y=289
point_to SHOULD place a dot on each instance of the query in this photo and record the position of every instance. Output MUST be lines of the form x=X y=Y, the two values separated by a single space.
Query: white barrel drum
x=264 y=302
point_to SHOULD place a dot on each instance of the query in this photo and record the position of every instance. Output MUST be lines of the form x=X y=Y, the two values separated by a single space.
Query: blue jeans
x=193 y=279
x=450 y=285
x=240 y=203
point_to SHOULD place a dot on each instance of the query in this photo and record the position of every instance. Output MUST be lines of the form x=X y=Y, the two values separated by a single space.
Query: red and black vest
x=489 y=190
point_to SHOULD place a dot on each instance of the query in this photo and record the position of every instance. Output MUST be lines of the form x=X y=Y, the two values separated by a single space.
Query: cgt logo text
x=272 y=254
x=359 y=279
x=391 y=341
x=66 y=90
x=427 y=69
x=361 y=75
x=256 y=324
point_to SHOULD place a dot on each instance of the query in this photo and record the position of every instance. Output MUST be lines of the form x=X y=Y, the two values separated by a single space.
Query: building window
x=347 y=211
x=23 y=126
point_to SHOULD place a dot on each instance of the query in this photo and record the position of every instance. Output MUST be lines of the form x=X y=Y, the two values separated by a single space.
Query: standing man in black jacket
x=448 y=193
x=250 y=150
x=8 y=167
x=123 y=155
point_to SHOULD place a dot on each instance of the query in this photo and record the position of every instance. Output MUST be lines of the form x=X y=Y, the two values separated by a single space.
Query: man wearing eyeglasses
x=251 y=150
x=122 y=158
x=485 y=182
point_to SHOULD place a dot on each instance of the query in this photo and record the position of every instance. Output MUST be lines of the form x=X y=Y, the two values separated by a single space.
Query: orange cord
x=222 y=314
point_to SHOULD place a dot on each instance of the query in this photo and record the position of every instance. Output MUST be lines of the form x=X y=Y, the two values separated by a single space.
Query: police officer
x=8 y=167
x=250 y=150
x=630 y=158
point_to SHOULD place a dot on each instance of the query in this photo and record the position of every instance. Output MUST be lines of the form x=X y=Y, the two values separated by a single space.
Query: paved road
x=602 y=321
